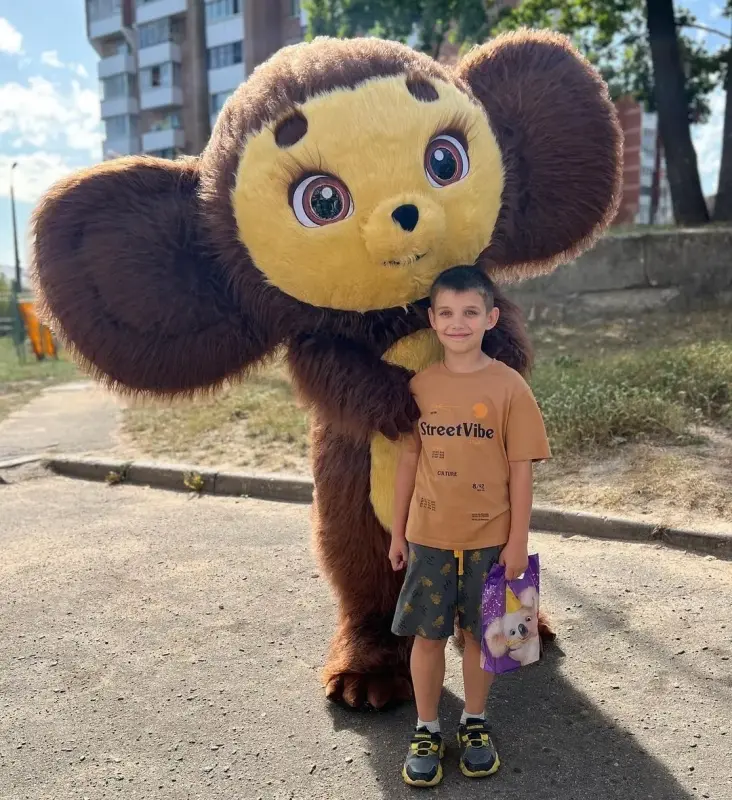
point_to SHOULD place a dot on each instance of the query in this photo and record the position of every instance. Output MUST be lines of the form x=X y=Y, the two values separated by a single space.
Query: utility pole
x=18 y=287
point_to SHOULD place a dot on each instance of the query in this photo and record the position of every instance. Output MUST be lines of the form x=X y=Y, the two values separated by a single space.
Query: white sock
x=464 y=718
x=432 y=727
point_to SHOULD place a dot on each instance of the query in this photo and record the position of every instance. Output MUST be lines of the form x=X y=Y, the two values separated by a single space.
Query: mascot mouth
x=406 y=261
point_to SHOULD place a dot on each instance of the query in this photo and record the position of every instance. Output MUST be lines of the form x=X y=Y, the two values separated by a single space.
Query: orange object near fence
x=42 y=341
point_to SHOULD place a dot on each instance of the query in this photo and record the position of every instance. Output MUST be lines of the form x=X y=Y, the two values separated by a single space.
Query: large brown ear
x=561 y=144
x=126 y=276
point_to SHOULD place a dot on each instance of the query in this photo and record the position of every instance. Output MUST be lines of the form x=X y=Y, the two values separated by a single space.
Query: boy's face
x=460 y=319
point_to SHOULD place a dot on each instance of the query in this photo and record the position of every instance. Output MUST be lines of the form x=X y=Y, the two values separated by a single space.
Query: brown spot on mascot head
x=340 y=179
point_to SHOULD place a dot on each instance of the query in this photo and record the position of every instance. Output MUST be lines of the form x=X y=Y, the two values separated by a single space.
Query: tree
x=673 y=114
x=434 y=22
x=723 y=201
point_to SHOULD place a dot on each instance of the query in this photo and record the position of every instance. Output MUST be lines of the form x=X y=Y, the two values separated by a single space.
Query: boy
x=462 y=503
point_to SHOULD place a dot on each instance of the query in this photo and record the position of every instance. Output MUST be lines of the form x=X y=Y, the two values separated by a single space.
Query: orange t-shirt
x=471 y=426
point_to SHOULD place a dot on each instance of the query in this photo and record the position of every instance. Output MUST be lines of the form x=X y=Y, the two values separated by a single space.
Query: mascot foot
x=360 y=690
x=546 y=629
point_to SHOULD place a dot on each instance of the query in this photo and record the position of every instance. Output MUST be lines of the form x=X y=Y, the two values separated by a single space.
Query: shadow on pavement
x=553 y=742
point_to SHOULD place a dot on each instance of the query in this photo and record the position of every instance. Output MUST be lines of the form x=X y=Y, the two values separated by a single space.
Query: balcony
x=119 y=106
x=226 y=78
x=106 y=26
x=163 y=140
x=226 y=31
x=161 y=97
x=159 y=54
x=116 y=65
x=122 y=146
x=159 y=9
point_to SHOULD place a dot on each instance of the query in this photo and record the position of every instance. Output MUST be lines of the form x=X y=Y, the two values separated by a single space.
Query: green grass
x=653 y=393
x=21 y=381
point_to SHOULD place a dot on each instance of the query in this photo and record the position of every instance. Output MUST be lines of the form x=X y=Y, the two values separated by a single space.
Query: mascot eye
x=512 y=632
x=446 y=161
x=320 y=200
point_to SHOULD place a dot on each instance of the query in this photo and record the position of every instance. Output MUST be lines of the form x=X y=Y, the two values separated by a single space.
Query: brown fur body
x=143 y=268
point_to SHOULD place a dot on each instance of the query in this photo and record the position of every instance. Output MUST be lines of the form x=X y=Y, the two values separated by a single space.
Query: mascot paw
x=546 y=629
x=360 y=690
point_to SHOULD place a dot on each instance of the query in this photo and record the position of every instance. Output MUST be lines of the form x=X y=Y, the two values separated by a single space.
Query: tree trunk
x=723 y=201
x=200 y=131
x=690 y=208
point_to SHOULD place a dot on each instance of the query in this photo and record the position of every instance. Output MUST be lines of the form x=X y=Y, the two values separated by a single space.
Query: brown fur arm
x=354 y=390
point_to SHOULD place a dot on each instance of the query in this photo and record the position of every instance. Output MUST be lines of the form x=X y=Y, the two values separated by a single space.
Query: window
x=120 y=127
x=160 y=75
x=103 y=9
x=171 y=121
x=221 y=9
x=294 y=8
x=122 y=85
x=225 y=55
x=218 y=100
x=158 y=32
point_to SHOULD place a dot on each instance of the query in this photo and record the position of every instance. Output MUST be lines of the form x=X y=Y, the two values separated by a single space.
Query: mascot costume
x=339 y=180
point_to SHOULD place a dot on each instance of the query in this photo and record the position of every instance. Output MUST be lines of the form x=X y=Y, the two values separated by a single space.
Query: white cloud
x=11 y=39
x=50 y=58
x=716 y=10
x=708 y=143
x=38 y=114
x=35 y=173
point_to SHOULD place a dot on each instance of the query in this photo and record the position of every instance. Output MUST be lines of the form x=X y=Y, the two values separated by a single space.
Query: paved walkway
x=71 y=418
x=157 y=646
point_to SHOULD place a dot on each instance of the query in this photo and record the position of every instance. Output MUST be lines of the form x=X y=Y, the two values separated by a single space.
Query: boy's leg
x=478 y=756
x=428 y=675
x=425 y=610
x=477 y=681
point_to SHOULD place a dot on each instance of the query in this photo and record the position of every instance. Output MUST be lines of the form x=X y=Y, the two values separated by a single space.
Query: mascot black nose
x=523 y=630
x=406 y=216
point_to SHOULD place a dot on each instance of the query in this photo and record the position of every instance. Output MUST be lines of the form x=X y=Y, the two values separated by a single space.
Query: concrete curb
x=177 y=477
x=295 y=489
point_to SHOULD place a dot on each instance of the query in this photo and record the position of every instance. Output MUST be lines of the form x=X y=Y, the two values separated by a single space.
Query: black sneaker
x=478 y=756
x=423 y=765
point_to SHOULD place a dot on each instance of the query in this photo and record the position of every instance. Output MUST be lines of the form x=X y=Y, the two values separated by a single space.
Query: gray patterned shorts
x=439 y=583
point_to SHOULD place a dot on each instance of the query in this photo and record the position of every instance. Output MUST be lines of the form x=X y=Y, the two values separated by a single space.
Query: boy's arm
x=515 y=555
x=403 y=490
x=526 y=442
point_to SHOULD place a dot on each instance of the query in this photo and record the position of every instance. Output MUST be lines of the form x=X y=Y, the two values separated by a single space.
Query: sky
x=49 y=104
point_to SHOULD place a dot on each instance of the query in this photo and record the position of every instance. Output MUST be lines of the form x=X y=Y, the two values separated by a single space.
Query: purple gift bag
x=510 y=635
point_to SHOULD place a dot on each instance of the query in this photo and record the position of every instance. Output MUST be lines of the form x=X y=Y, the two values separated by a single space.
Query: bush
x=653 y=393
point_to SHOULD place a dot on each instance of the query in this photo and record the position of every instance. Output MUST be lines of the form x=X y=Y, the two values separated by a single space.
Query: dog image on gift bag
x=516 y=633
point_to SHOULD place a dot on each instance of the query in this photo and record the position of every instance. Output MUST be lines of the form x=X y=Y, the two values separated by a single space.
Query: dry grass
x=257 y=424
x=676 y=486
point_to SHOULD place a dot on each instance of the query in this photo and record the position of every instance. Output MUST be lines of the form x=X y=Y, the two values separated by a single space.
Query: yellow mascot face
x=358 y=198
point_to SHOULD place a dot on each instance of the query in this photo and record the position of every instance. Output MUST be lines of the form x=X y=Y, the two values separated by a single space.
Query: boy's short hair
x=464 y=278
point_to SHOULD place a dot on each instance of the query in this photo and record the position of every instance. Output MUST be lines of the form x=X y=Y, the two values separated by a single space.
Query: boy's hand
x=398 y=553
x=515 y=558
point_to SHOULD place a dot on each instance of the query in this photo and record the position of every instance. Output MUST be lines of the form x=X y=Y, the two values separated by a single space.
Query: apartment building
x=646 y=191
x=167 y=66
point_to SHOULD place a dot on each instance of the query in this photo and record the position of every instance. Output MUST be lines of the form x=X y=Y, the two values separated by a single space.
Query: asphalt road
x=156 y=646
